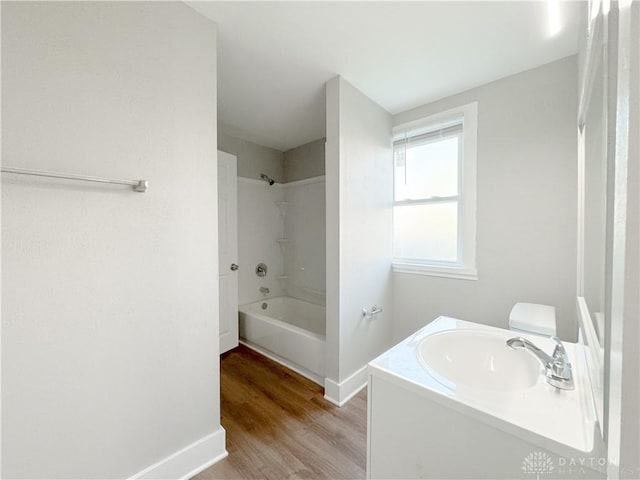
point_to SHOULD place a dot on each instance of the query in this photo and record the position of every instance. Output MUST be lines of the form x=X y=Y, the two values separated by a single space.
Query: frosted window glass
x=427 y=232
x=427 y=170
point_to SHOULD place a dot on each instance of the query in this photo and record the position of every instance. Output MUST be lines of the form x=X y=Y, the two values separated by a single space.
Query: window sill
x=461 y=273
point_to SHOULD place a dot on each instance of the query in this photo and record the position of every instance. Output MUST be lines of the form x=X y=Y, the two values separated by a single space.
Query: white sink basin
x=478 y=360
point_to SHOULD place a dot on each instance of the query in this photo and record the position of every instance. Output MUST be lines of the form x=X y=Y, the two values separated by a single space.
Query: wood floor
x=279 y=426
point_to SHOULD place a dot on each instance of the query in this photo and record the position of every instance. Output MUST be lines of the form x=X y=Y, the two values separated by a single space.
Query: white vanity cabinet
x=422 y=426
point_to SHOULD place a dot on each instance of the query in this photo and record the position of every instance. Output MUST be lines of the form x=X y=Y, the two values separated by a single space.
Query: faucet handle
x=559 y=352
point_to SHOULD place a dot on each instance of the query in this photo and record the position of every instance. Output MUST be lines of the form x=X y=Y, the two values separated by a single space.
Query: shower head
x=269 y=180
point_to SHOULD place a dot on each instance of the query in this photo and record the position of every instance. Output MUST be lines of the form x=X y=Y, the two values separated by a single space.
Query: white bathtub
x=288 y=330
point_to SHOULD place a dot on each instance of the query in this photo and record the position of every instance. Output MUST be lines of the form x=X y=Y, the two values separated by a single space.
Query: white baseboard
x=341 y=393
x=189 y=461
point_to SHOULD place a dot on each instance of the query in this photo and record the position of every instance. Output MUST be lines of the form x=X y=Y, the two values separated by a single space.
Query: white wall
x=260 y=225
x=253 y=159
x=305 y=254
x=630 y=438
x=305 y=161
x=526 y=205
x=623 y=338
x=359 y=180
x=109 y=312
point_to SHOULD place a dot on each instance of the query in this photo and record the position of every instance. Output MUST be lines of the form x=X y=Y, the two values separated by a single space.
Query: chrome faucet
x=557 y=367
x=264 y=290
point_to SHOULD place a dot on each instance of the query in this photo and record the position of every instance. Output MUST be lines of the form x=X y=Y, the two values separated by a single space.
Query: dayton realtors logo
x=537 y=463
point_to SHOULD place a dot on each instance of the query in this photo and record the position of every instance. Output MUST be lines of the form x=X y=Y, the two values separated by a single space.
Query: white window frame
x=466 y=267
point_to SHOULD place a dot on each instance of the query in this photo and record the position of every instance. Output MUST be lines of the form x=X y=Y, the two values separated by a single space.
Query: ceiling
x=275 y=57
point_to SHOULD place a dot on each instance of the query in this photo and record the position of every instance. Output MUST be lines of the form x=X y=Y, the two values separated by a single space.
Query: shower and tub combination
x=282 y=294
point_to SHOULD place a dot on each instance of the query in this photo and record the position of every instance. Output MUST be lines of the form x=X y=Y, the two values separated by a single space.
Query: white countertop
x=561 y=421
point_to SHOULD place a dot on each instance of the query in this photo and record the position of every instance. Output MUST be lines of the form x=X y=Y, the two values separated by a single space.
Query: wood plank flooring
x=279 y=426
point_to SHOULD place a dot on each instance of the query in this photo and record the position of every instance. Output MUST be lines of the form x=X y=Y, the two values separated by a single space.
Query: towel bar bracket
x=374 y=310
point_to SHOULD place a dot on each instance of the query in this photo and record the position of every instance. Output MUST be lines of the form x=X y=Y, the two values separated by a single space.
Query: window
x=434 y=194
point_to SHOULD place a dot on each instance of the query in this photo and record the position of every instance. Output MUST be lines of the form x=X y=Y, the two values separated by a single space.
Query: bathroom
x=137 y=134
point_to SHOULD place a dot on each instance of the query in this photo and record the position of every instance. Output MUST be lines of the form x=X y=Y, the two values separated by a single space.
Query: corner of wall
x=190 y=460
x=332 y=177
x=340 y=393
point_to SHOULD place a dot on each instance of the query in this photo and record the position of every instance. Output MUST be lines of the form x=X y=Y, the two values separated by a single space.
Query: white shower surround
x=261 y=223
x=284 y=227
x=259 y=226
x=305 y=228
